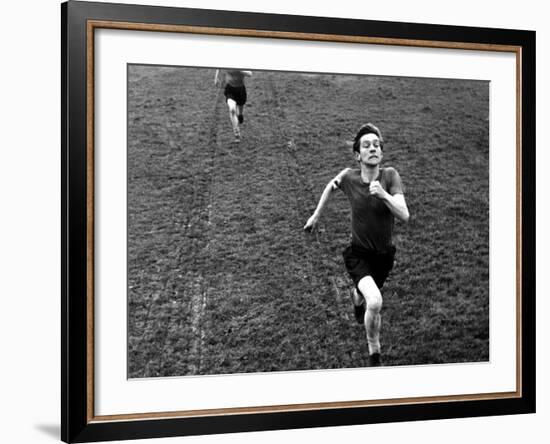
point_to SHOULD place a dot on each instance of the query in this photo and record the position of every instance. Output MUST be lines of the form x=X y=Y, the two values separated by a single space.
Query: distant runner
x=235 y=94
x=376 y=197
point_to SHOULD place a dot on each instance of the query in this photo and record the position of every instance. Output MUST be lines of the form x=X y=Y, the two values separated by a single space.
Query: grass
x=222 y=278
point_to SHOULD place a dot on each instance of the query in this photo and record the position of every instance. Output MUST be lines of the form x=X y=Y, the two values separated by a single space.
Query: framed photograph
x=274 y=221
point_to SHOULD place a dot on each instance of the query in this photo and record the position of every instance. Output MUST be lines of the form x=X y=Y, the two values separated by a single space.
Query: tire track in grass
x=165 y=311
x=231 y=278
x=162 y=310
x=198 y=285
x=248 y=261
x=263 y=275
x=195 y=287
x=199 y=297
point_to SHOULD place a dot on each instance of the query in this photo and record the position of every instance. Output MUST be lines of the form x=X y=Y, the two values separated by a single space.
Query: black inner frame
x=74 y=423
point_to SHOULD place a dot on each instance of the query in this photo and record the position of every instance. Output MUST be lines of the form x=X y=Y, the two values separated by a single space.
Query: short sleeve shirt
x=371 y=220
x=235 y=78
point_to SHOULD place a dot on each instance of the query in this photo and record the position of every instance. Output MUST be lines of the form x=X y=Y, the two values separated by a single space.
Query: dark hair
x=367 y=128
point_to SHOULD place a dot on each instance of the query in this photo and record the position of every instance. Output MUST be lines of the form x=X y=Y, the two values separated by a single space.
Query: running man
x=235 y=94
x=376 y=198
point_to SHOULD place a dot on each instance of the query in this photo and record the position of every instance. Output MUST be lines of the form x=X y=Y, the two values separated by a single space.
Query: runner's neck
x=369 y=174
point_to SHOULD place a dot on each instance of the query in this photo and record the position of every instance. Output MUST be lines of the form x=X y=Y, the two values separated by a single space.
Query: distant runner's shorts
x=237 y=93
x=361 y=263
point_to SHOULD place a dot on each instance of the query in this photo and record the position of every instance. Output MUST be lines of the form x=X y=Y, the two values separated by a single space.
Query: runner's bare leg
x=240 y=110
x=234 y=119
x=373 y=297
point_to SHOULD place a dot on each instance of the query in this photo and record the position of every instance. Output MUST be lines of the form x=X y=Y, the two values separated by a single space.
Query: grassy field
x=221 y=277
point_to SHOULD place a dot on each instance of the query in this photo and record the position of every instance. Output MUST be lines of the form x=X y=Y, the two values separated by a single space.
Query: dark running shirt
x=234 y=78
x=371 y=220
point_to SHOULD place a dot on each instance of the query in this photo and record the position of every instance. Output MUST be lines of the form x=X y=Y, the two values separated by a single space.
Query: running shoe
x=374 y=360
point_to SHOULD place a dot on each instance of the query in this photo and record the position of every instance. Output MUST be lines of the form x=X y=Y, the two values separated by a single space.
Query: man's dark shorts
x=237 y=93
x=361 y=263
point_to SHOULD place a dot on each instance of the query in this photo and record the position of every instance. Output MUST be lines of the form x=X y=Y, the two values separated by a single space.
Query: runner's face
x=370 y=150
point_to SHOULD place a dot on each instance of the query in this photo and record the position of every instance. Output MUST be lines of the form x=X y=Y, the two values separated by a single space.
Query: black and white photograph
x=193 y=192
x=295 y=221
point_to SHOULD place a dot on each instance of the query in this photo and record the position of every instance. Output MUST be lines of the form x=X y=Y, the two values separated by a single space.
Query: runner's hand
x=311 y=224
x=376 y=189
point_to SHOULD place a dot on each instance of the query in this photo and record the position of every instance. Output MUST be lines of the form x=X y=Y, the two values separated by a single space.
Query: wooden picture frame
x=80 y=20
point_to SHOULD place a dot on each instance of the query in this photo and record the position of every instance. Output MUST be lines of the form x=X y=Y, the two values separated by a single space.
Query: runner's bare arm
x=312 y=222
x=396 y=203
x=398 y=206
